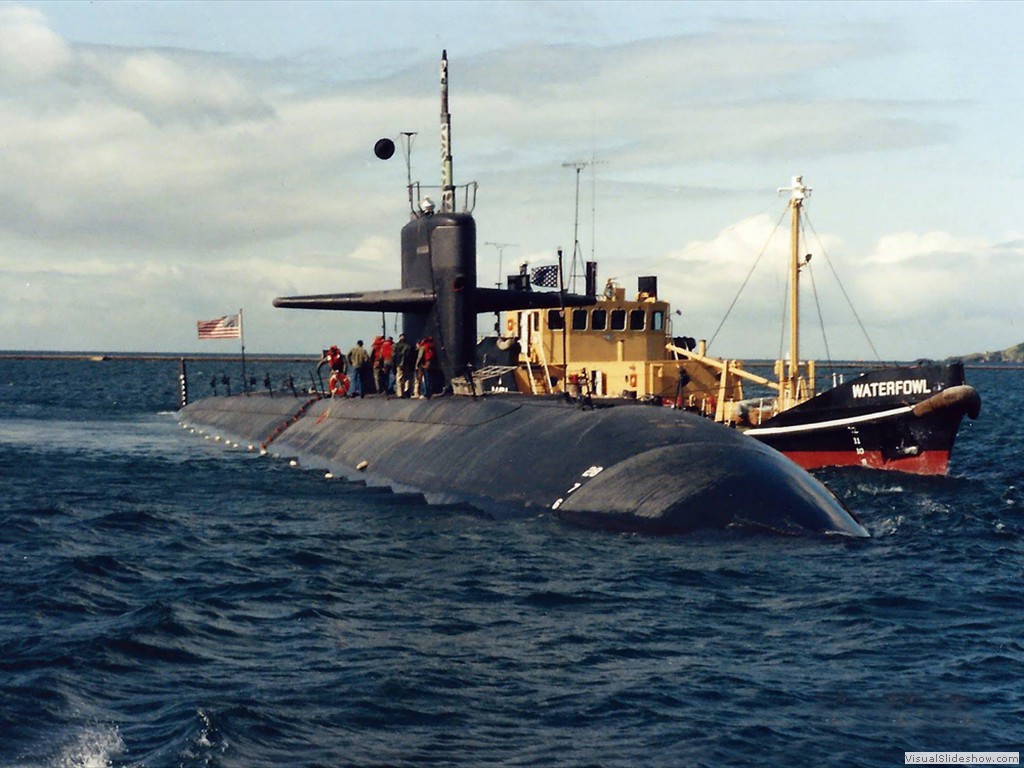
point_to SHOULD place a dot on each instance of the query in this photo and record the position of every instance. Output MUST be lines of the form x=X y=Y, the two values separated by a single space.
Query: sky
x=163 y=163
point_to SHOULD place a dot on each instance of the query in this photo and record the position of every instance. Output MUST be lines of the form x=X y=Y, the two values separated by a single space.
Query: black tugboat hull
x=904 y=418
x=627 y=467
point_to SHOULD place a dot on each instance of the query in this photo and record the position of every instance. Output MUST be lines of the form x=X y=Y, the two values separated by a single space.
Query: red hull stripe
x=926 y=463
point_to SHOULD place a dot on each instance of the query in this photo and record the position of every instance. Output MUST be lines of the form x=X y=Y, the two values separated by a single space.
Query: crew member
x=387 y=366
x=359 y=361
x=334 y=359
x=376 y=361
x=403 y=361
x=425 y=364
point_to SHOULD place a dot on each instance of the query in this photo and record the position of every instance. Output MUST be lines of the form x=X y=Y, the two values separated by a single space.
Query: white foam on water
x=879 y=489
x=207 y=741
x=889 y=527
x=91 y=747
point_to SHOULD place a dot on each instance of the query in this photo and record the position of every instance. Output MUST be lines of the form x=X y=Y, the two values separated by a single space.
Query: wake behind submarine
x=622 y=466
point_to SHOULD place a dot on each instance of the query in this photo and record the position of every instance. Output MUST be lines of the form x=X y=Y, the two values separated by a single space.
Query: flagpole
x=565 y=319
x=241 y=335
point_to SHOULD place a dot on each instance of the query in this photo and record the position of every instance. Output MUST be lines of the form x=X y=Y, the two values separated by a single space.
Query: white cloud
x=902 y=247
x=938 y=278
x=374 y=251
x=176 y=181
x=176 y=86
x=175 y=149
x=29 y=50
x=916 y=294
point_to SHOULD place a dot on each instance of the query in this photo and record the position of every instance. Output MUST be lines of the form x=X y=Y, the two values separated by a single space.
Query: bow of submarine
x=680 y=488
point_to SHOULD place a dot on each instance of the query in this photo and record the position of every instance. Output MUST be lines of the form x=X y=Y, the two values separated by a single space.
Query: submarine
x=619 y=465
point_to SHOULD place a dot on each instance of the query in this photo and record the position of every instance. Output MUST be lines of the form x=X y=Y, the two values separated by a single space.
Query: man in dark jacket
x=404 y=362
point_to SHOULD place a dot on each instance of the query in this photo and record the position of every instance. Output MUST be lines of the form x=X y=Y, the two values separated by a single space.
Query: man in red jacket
x=375 y=360
x=383 y=371
x=426 y=361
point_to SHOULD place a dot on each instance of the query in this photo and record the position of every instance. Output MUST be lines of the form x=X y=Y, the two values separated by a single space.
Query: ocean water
x=167 y=601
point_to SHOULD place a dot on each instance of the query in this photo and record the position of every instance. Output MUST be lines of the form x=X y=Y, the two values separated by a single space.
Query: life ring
x=510 y=325
x=338 y=384
x=632 y=380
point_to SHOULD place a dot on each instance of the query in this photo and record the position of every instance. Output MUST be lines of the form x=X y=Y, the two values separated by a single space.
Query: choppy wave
x=169 y=602
x=93 y=746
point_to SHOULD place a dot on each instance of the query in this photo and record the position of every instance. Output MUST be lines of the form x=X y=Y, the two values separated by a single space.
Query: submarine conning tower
x=439 y=258
x=439 y=296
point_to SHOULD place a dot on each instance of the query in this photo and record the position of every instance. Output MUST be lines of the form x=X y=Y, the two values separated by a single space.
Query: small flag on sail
x=545 y=277
x=227 y=327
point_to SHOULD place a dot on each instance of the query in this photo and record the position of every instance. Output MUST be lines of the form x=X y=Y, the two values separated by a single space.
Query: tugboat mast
x=798 y=192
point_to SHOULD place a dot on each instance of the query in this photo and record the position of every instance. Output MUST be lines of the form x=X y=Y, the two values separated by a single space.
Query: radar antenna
x=501 y=253
x=578 y=166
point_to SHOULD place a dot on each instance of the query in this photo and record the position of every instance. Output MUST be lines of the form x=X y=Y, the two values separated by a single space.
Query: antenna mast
x=501 y=252
x=447 y=187
x=407 y=137
x=578 y=166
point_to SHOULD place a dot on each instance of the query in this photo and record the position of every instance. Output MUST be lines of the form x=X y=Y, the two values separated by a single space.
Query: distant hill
x=1014 y=354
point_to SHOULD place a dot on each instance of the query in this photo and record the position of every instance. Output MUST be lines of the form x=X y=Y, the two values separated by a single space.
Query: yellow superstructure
x=615 y=348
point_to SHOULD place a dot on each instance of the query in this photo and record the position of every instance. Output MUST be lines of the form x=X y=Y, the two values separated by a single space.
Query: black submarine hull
x=626 y=467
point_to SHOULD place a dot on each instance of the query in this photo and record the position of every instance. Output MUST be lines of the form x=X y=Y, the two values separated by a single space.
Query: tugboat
x=903 y=417
x=617 y=464
x=900 y=417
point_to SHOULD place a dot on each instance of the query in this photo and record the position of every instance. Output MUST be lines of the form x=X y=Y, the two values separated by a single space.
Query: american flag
x=545 y=277
x=227 y=327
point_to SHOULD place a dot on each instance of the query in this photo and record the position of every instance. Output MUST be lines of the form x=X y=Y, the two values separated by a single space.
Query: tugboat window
x=599 y=319
x=637 y=319
x=618 y=319
x=579 y=319
x=657 y=320
x=556 y=320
